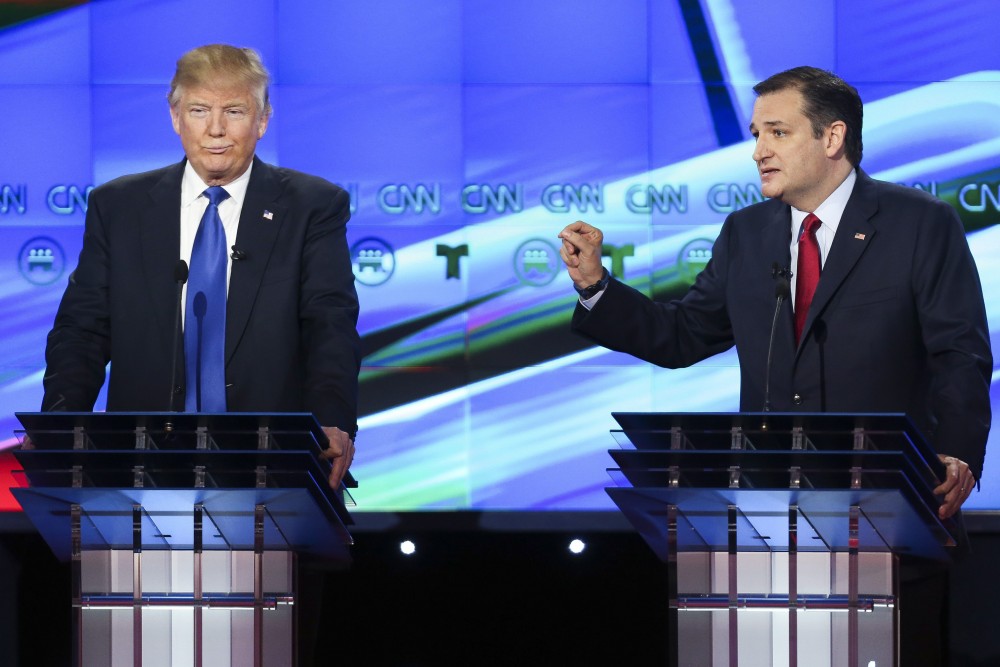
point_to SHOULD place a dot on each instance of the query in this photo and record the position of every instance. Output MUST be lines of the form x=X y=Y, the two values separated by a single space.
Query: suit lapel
x=160 y=242
x=260 y=221
x=778 y=236
x=854 y=234
x=777 y=241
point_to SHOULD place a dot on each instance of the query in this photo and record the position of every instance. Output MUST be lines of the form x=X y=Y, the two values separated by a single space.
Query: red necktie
x=808 y=270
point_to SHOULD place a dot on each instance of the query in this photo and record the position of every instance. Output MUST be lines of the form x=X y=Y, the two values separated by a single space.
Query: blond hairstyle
x=214 y=63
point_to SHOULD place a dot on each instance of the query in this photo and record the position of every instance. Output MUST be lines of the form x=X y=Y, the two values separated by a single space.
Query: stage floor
x=478 y=590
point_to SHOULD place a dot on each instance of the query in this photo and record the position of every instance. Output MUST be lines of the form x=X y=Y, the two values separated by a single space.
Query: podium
x=182 y=530
x=782 y=532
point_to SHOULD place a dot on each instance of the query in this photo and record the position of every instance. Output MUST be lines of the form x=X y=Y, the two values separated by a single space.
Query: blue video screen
x=468 y=135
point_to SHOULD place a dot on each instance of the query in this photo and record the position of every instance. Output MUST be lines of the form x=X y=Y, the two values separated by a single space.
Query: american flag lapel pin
x=858 y=235
x=270 y=216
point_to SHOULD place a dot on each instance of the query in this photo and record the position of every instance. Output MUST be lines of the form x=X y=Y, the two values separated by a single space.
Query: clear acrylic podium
x=782 y=531
x=182 y=530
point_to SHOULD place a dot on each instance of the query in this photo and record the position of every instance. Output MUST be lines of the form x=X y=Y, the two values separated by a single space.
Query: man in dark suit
x=290 y=319
x=897 y=321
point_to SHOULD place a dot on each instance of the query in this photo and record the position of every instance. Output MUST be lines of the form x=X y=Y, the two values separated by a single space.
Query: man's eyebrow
x=225 y=105
x=767 y=123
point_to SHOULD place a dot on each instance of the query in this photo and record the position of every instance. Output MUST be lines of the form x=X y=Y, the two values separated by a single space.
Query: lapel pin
x=270 y=216
x=858 y=235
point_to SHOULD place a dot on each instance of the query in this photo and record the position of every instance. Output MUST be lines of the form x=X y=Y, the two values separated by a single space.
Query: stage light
x=407 y=547
x=577 y=546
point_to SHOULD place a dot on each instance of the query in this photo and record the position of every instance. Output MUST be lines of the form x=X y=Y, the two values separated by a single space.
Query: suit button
x=797 y=399
x=177 y=389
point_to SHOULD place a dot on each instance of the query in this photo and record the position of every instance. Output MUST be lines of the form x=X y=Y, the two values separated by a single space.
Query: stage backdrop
x=468 y=135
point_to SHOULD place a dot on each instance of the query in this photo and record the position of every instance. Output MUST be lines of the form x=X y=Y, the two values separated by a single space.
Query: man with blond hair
x=287 y=317
x=269 y=309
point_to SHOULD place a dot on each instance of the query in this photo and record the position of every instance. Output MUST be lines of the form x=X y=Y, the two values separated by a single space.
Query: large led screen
x=468 y=134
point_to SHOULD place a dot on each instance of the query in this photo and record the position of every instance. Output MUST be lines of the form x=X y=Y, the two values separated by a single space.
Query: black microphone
x=180 y=277
x=238 y=255
x=782 y=290
x=778 y=271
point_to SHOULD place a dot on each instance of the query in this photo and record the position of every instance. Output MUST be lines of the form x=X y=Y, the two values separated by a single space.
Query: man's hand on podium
x=340 y=453
x=956 y=487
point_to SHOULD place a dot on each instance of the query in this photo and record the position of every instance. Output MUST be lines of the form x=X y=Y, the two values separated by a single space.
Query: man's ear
x=175 y=119
x=836 y=135
x=262 y=125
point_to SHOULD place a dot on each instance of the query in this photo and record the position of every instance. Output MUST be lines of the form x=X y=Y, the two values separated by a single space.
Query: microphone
x=238 y=255
x=778 y=271
x=180 y=277
x=782 y=290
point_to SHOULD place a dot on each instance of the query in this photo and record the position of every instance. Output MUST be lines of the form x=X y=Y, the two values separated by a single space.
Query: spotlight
x=577 y=546
x=407 y=547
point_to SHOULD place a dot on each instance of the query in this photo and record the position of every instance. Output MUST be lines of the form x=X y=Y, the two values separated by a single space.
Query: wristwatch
x=593 y=290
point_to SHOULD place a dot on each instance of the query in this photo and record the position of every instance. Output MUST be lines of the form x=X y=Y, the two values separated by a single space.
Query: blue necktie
x=205 y=314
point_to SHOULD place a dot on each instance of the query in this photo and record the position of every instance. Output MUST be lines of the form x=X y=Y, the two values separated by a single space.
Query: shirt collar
x=192 y=187
x=832 y=209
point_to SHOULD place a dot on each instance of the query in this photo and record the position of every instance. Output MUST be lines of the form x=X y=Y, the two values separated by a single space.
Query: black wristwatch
x=599 y=286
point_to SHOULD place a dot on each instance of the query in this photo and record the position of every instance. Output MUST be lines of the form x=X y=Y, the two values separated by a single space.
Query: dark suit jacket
x=897 y=324
x=291 y=320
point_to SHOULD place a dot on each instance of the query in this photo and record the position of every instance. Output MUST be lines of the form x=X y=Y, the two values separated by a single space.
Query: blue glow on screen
x=54 y=49
x=348 y=133
x=469 y=134
x=139 y=42
x=529 y=42
x=361 y=44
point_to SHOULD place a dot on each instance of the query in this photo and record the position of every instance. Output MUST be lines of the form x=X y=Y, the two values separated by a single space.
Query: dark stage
x=479 y=589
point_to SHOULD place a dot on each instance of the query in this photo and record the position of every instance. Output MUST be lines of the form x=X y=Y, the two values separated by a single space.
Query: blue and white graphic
x=41 y=261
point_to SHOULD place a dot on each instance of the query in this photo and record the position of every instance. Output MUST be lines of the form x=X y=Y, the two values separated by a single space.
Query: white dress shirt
x=829 y=212
x=193 y=205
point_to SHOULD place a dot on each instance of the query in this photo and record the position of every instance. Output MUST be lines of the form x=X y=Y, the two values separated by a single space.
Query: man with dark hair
x=888 y=311
x=825 y=98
